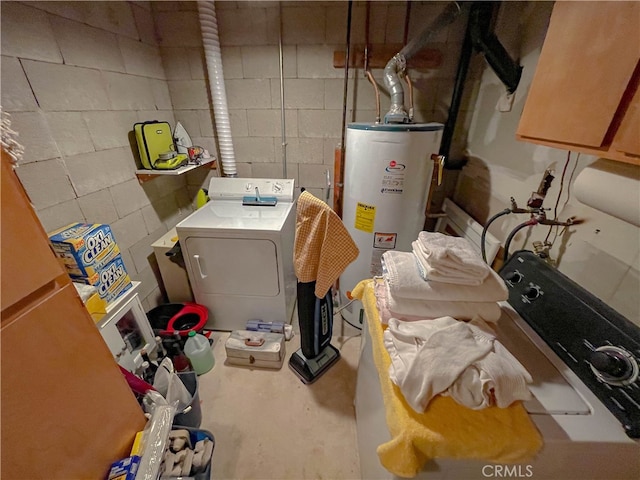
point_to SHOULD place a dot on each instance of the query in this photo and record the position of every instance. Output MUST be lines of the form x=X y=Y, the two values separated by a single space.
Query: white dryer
x=239 y=258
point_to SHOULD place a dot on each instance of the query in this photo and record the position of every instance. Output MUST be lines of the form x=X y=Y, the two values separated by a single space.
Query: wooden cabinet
x=67 y=411
x=23 y=271
x=584 y=94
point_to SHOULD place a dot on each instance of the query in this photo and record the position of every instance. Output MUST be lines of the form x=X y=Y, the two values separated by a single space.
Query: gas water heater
x=387 y=176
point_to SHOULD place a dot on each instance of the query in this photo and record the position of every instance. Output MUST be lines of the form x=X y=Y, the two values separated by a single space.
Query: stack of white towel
x=442 y=276
x=425 y=296
x=442 y=258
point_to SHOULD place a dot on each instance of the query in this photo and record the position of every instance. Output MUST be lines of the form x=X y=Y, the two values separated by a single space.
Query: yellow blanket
x=446 y=429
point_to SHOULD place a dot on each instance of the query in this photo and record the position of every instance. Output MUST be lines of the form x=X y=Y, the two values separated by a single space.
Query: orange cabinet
x=67 y=411
x=27 y=265
x=584 y=94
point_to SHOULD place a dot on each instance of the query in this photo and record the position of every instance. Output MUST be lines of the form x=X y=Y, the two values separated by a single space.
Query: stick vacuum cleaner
x=315 y=316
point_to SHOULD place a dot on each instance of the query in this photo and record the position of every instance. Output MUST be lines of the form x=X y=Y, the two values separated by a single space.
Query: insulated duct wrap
x=611 y=187
x=211 y=42
x=397 y=65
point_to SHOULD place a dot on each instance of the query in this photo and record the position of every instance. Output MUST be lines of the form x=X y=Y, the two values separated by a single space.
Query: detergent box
x=96 y=306
x=111 y=280
x=84 y=248
x=124 y=469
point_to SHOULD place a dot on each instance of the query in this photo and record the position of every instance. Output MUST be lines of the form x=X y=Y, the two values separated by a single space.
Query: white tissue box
x=255 y=349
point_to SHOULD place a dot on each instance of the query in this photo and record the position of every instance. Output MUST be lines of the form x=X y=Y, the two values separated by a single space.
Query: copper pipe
x=436 y=181
x=377 y=90
x=410 y=88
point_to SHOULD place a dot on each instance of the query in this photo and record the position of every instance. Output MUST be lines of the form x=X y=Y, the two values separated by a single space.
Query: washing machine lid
x=232 y=215
x=552 y=393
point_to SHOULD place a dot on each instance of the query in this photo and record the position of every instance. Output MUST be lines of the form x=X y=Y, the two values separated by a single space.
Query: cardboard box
x=84 y=248
x=96 y=306
x=124 y=469
x=111 y=281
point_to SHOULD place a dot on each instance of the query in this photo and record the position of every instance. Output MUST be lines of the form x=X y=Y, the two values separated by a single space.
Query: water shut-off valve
x=536 y=211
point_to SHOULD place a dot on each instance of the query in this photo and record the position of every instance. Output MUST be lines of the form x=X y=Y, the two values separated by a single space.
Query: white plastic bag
x=168 y=383
x=155 y=440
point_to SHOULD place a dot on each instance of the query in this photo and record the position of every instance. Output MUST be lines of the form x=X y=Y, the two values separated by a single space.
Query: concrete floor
x=267 y=424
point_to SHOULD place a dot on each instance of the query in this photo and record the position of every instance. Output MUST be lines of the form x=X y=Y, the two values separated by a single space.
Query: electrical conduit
x=282 y=112
x=211 y=42
x=338 y=173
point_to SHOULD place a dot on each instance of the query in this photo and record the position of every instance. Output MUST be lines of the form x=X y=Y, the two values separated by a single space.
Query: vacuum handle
x=197 y=259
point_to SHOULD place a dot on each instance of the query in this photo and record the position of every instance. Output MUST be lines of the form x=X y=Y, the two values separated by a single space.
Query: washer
x=239 y=258
x=590 y=427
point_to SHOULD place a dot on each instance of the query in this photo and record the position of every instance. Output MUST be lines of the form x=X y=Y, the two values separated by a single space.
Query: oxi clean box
x=91 y=255
x=113 y=280
x=84 y=248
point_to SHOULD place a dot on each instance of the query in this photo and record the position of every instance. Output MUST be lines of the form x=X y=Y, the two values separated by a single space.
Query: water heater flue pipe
x=398 y=64
x=396 y=113
x=211 y=42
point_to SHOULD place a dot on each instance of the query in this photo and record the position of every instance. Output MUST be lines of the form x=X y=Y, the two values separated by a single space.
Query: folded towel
x=446 y=274
x=381 y=293
x=401 y=273
x=448 y=255
x=409 y=310
x=463 y=360
x=446 y=429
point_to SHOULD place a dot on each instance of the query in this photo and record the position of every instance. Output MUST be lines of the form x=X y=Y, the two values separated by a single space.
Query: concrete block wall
x=77 y=75
x=602 y=254
x=313 y=88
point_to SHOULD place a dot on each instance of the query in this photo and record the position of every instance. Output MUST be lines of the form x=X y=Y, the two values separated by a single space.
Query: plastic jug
x=199 y=352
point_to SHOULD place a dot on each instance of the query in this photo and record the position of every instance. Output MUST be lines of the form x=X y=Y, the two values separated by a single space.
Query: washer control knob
x=514 y=277
x=610 y=363
x=614 y=365
x=532 y=292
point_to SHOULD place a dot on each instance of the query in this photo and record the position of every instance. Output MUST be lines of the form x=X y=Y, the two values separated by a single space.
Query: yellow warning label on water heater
x=365 y=217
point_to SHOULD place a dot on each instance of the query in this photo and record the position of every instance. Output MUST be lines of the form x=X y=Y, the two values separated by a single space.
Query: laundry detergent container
x=170 y=318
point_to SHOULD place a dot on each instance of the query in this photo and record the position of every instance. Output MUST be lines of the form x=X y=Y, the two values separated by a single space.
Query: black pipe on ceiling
x=456 y=98
x=477 y=37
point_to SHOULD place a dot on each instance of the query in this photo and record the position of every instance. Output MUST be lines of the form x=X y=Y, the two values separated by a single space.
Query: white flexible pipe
x=211 y=42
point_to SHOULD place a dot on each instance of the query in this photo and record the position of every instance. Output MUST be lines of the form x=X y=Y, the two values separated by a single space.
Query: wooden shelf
x=145 y=175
